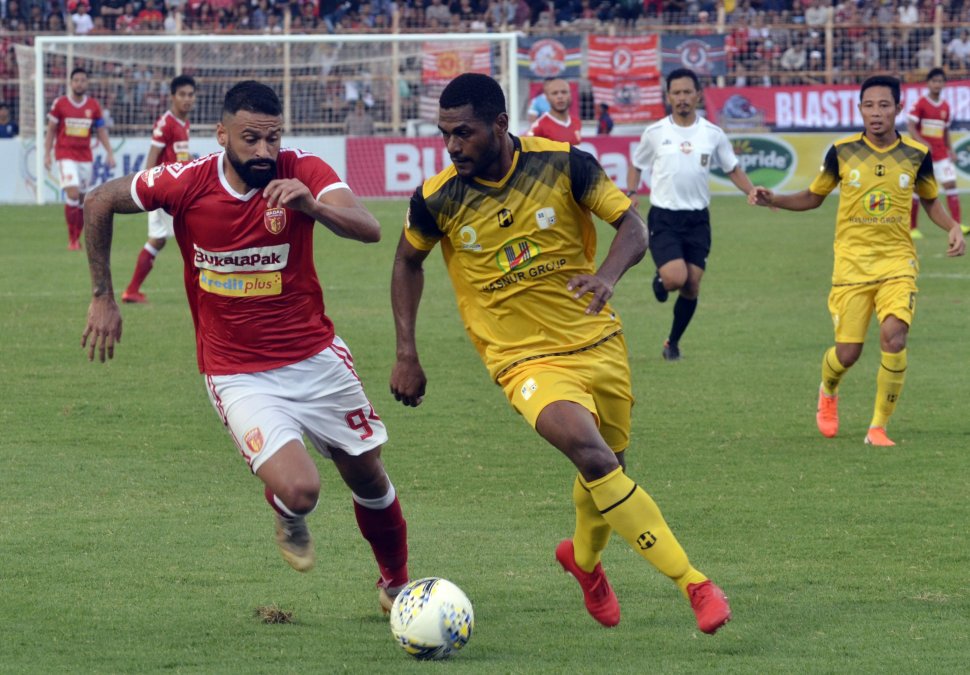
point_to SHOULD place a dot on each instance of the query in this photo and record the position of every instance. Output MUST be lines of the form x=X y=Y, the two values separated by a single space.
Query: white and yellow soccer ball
x=432 y=618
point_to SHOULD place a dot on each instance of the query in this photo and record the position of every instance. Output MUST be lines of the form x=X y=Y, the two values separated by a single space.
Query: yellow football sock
x=832 y=372
x=635 y=516
x=592 y=530
x=889 y=384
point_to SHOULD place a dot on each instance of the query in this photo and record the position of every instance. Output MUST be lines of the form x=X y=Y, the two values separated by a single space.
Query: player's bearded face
x=256 y=172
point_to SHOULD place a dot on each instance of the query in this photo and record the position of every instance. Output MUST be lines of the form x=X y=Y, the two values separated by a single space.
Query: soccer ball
x=432 y=618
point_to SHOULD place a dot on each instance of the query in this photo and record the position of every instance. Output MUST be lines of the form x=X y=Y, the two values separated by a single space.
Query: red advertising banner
x=813 y=108
x=395 y=167
x=443 y=61
x=624 y=57
x=625 y=74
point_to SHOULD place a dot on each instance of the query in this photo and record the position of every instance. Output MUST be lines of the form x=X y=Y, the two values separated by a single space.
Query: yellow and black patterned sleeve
x=592 y=188
x=828 y=174
x=926 y=185
x=420 y=227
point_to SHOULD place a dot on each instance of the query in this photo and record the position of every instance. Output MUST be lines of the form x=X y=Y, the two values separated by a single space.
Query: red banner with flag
x=624 y=73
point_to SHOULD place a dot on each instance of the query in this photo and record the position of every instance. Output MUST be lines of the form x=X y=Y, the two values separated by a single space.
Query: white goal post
x=311 y=73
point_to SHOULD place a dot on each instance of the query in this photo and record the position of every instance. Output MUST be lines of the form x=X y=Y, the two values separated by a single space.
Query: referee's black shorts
x=679 y=235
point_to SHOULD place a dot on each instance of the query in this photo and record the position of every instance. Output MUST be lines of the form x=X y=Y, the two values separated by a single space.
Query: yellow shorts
x=852 y=306
x=597 y=379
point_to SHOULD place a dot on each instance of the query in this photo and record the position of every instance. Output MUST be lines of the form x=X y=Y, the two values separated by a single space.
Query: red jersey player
x=170 y=143
x=274 y=369
x=70 y=124
x=929 y=123
x=557 y=124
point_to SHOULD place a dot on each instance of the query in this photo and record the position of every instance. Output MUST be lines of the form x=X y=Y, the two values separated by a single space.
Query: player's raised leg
x=628 y=508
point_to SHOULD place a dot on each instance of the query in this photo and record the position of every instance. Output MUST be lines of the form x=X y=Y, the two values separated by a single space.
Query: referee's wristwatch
x=630 y=193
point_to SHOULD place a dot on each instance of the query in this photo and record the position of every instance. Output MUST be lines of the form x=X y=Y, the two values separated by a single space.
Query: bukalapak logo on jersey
x=767 y=161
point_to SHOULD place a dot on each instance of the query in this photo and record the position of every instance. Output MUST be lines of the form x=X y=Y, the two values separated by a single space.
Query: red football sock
x=387 y=532
x=78 y=221
x=144 y=265
x=71 y=220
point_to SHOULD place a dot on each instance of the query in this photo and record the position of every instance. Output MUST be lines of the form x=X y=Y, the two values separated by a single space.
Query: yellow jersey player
x=514 y=220
x=875 y=268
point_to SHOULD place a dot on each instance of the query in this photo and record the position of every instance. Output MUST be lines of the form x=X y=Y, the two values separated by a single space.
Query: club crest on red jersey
x=275 y=220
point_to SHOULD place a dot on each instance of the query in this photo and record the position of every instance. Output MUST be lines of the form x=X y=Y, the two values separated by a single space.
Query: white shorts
x=160 y=225
x=75 y=174
x=944 y=171
x=320 y=397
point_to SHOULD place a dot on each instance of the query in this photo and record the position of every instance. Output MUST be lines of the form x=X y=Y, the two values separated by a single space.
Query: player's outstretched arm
x=741 y=180
x=627 y=249
x=338 y=210
x=798 y=201
x=956 y=245
x=408 y=380
x=103 y=327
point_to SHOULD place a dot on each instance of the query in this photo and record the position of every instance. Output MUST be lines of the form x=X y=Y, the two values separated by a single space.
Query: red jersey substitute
x=549 y=127
x=932 y=120
x=249 y=275
x=76 y=123
x=171 y=135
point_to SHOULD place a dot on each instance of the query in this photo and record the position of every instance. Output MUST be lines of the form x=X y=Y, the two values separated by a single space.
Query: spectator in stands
x=359 y=121
x=274 y=24
x=817 y=14
x=8 y=128
x=627 y=11
x=257 y=19
x=13 y=19
x=438 y=11
x=150 y=18
x=99 y=27
x=958 y=51
x=127 y=22
x=81 y=18
x=793 y=60
x=703 y=25
x=743 y=13
x=54 y=23
x=243 y=19
x=110 y=10
x=36 y=23
x=604 y=123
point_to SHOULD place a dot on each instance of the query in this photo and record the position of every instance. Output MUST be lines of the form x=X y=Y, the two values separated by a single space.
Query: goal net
x=318 y=77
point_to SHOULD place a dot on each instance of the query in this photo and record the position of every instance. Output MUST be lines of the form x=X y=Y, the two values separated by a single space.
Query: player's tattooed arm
x=100 y=205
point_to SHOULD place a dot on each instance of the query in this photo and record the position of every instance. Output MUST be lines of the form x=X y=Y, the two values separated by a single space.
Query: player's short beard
x=255 y=178
x=489 y=156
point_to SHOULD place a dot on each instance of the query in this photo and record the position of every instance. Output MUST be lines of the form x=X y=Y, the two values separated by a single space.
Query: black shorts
x=679 y=235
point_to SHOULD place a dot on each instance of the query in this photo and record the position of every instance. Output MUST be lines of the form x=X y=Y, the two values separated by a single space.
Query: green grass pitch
x=134 y=540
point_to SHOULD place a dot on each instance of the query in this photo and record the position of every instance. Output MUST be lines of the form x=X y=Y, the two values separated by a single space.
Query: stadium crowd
x=768 y=42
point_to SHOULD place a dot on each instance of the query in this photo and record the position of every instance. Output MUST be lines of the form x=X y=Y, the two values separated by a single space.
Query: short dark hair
x=252 y=96
x=934 y=72
x=882 y=81
x=77 y=70
x=482 y=92
x=683 y=72
x=182 y=81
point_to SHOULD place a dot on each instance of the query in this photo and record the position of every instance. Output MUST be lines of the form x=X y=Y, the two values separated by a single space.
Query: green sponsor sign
x=767 y=162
